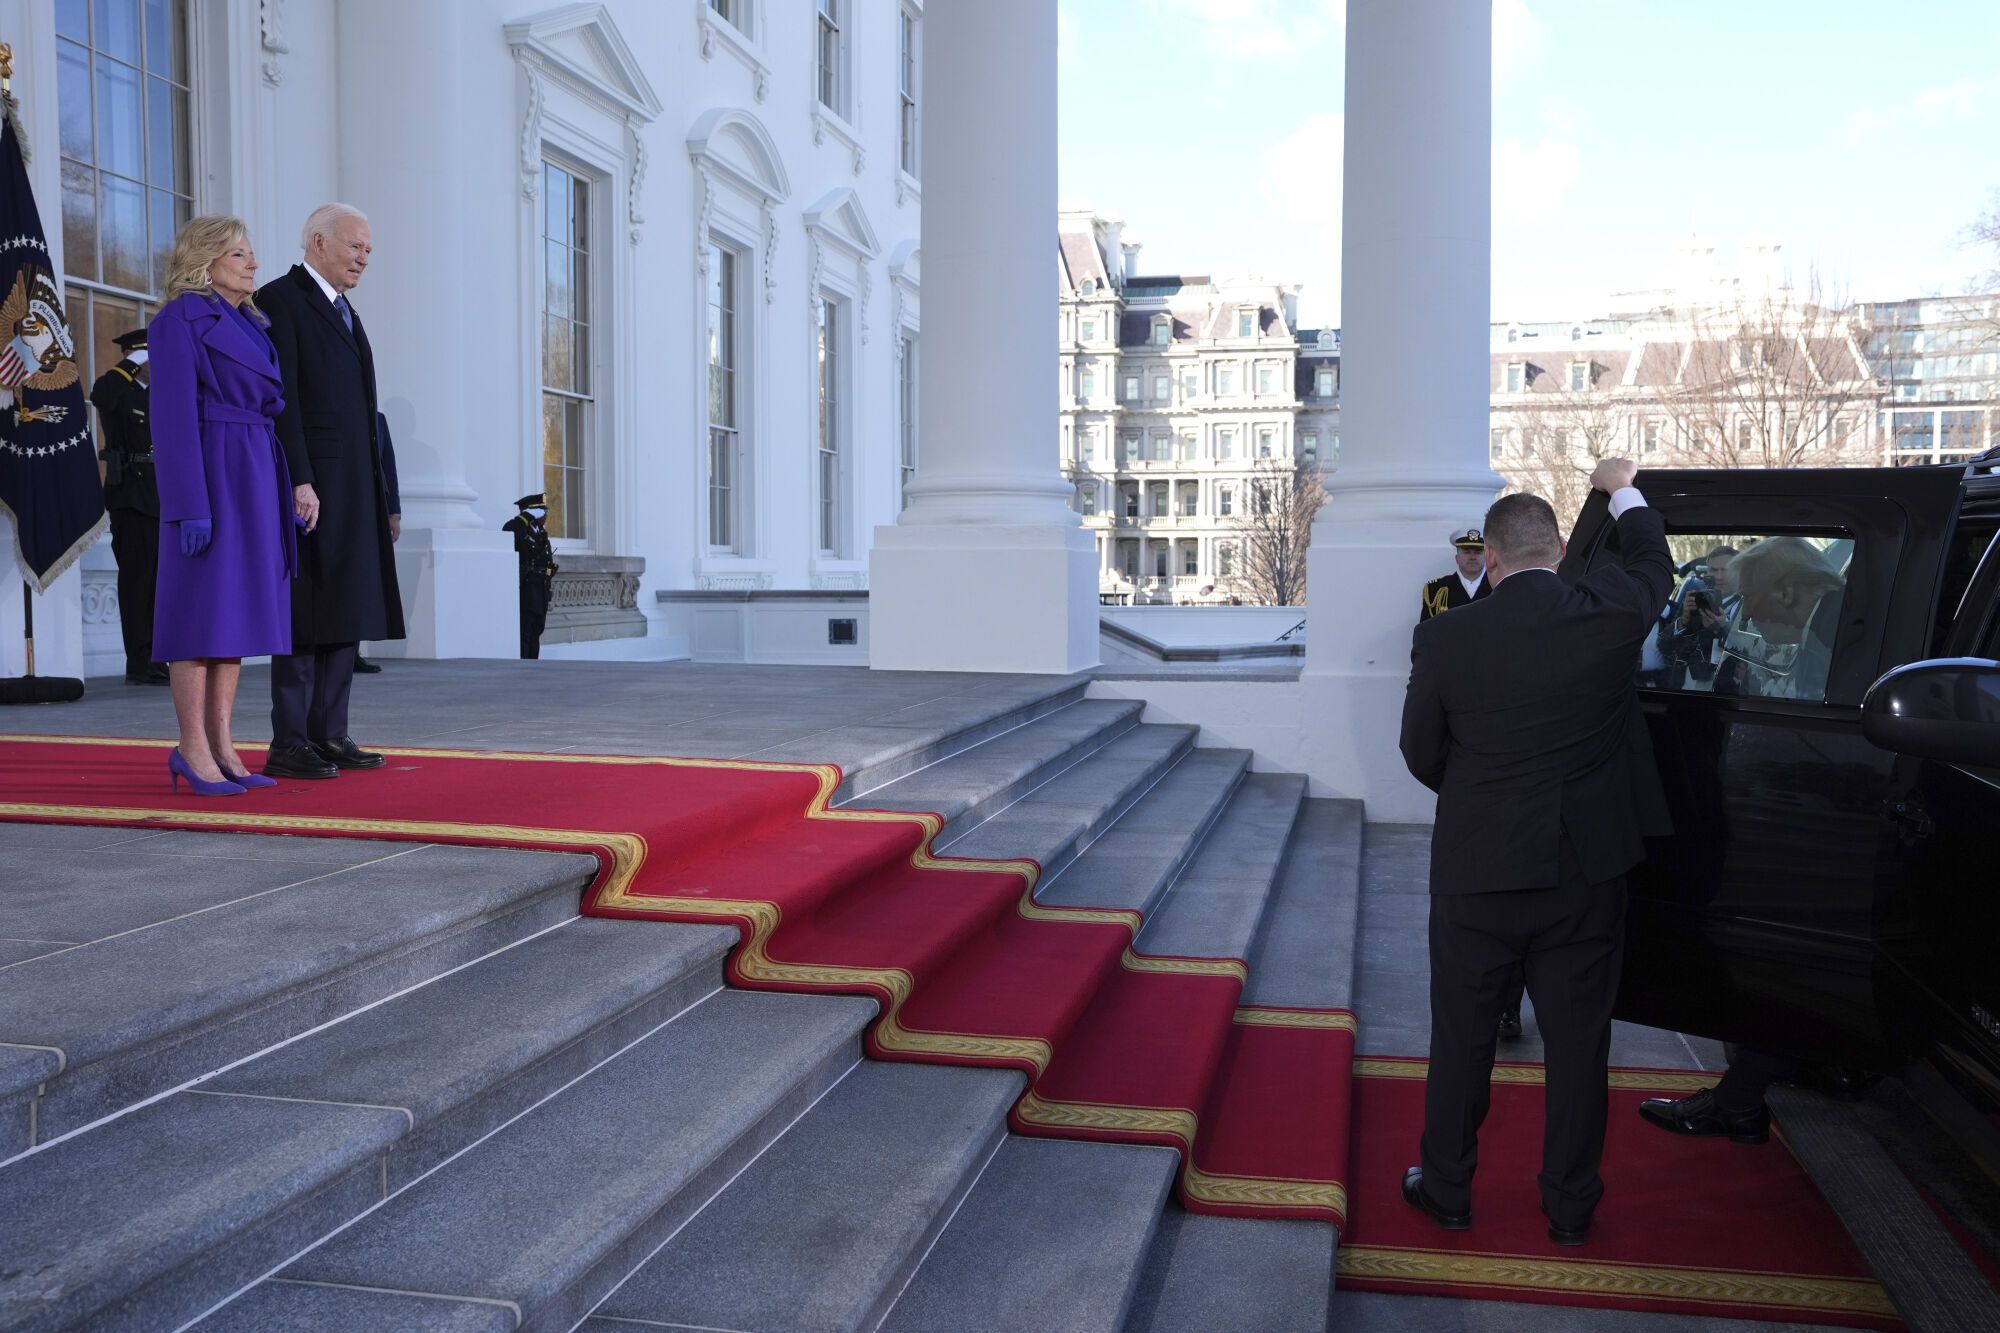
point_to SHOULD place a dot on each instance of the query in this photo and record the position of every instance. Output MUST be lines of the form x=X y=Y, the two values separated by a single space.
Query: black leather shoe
x=1413 y=1195
x=297 y=761
x=364 y=667
x=1699 y=1117
x=153 y=675
x=1563 y=1235
x=342 y=752
x=1510 y=1024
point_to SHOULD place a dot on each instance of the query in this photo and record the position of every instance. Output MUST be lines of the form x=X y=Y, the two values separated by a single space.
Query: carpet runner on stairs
x=967 y=966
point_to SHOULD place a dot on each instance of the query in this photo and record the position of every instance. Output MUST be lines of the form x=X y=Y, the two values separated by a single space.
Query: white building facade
x=657 y=260
x=1179 y=396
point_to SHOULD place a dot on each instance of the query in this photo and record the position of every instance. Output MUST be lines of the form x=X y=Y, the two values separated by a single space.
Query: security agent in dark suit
x=132 y=496
x=1464 y=587
x=385 y=452
x=346 y=587
x=538 y=569
x=1521 y=715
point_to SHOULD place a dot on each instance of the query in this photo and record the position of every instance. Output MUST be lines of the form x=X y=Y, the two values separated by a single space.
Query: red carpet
x=968 y=967
x=1693 y=1226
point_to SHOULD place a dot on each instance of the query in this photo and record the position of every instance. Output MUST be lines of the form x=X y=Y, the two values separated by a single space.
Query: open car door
x=1759 y=919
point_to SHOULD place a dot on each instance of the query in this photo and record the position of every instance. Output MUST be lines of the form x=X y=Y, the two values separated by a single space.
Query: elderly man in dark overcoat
x=346 y=588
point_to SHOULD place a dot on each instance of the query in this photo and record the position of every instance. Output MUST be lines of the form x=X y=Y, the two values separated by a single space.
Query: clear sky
x=1863 y=136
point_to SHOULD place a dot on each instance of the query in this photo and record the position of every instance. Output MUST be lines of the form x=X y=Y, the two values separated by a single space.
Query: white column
x=988 y=569
x=457 y=581
x=1415 y=281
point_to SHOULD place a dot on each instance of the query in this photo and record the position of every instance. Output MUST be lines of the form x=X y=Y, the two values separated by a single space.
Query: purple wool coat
x=215 y=393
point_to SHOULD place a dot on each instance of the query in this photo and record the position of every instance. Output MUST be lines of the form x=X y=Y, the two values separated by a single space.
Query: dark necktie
x=346 y=311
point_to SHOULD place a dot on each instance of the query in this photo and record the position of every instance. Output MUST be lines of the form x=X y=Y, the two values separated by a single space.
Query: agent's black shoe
x=1700 y=1117
x=364 y=667
x=1562 y=1235
x=153 y=675
x=1413 y=1195
x=297 y=761
x=1510 y=1024
x=342 y=752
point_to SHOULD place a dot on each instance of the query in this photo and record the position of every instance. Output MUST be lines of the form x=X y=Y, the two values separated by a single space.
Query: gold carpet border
x=1626 y=1080
x=614 y=890
x=1793 y=1292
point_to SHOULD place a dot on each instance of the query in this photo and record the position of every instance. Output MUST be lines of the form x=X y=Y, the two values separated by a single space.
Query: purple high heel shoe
x=248 y=780
x=177 y=768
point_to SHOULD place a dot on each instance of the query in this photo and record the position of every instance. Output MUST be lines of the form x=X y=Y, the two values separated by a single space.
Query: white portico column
x=1415 y=297
x=988 y=569
x=418 y=299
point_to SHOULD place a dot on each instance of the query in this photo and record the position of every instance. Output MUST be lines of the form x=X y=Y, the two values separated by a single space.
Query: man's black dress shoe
x=1562 y=1235
x=1510 y=1024
x=153 y=675
x=1700 y=1117
x=297 y=761
x=1413 y=1195
x=364 y=667
x=342 y=752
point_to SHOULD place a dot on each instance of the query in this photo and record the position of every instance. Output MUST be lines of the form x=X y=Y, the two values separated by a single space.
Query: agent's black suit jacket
x=346 y=589
x=1521 y=715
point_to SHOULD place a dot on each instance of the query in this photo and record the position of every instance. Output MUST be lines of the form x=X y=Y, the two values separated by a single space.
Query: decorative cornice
x=271 y=36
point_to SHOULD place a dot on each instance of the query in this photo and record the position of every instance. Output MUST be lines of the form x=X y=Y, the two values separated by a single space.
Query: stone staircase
x=420 y=1093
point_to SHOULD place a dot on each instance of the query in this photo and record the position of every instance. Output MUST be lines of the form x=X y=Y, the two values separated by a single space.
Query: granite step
x=1054 y=1236
x=147 y=1222
x=823 y=1231
x=968 y=787
x=551 y=1212
x=115 y=1021
x=1215 y=905
x=1206 y=1272
x=472 y=1050
x=901 y=743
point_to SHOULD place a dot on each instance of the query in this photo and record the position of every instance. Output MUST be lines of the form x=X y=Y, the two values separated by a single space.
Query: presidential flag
x=48 y=461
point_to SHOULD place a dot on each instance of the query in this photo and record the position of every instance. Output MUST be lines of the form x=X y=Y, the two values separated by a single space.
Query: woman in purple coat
x=227 y=550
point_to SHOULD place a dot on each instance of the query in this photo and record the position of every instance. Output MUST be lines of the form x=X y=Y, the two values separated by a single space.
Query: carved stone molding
x=100 y=597
x=531 y=132
x=750 y=581
x=844 y=580
x=636 y=155
x=770 y=254
x=271 y=36
x=706 y=185
x=861 y=302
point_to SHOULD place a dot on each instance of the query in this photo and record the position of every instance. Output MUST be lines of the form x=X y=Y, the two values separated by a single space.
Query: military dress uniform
x=538 y=570
x=132 y=495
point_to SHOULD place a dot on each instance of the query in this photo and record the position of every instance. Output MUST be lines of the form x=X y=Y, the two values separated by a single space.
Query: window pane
x=167 y=128
x=123 y=224
x=120 y=121
x=579 y=234
x=79 y=190
x=73 y=19
x=572 y=434
x=555 y=203
x=552 y=445
x=165 y=222
x=164 y=48
x=580 y=285
x=580 y=359
x=555 y=352
x=73 y=94
x=118 y=29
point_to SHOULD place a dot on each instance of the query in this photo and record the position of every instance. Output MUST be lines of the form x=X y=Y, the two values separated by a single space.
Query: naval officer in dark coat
x=132 y=495
x=538 y=568
x=1468 y=584
x=346 y=588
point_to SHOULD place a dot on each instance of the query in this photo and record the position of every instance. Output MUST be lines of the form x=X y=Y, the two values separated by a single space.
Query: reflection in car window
x=1751 y=615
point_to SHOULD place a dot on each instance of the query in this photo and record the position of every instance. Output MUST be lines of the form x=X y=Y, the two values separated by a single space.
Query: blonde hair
x=200 y=243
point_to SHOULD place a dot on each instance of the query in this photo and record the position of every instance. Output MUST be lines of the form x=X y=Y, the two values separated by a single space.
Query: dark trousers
x=135 y=544
x=309 y=693
x=534 y=619
x=1750 y=1074
x=1569 y=942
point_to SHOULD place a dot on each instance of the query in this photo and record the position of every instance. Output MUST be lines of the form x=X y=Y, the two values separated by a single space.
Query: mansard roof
x=1080 y=259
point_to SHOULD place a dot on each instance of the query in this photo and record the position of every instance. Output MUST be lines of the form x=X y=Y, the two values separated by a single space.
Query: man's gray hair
x=1521 y=530
x=320 y=222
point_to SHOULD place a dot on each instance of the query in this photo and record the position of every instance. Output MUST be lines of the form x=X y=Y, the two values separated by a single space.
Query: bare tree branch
x=1275 y=529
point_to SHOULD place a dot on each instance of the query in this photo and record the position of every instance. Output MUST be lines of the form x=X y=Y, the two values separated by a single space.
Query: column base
x=461 y=595
x=983 y=597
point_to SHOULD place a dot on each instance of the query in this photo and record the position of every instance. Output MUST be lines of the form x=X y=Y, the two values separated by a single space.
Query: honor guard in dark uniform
x=132 y=495
x=1468 y=584
x=538 y=569
x=1464 y=585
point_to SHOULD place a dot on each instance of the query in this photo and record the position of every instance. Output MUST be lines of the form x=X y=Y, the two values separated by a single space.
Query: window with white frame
x=1225 y=500
x=1267 y=442
x=1649 y=439
x=1309 y=446
x=1517 y=375
x=906 y=410
x=1086 y=383
x=1163 y=332
x=1225 y=379
x=1163 y=447
x=1323 y=382
x=909 y=66
x=832 y=399
x=1131 y=388
x=1496 y=442
x=1163 y=388
x=1087 y=445
x=1246 y=323
x=1190 y=448
x=1089 y=331
x=568 y=390
x=1225 y=558
x=724 y=395
x=127 y=182
x=1087 y=498
x=734 y=12
x=1579 y=376
x=1190 y=500
x=832 y=56
x=1225 y=442
x=1260 y=496
x=1190 y=383
x=1267 y=378
x=1128 y=446
x=1190 y=558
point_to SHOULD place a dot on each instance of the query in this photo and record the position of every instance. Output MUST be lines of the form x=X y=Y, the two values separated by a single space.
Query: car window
x=1752 y=615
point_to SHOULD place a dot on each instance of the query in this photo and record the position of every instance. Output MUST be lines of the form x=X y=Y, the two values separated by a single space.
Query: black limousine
x=1823 y=702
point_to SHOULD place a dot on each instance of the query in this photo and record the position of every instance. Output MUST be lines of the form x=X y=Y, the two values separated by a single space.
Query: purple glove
x=195 y=535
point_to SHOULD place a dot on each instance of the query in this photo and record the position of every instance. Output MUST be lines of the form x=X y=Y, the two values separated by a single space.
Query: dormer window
x=1326 y=338
x=1517 y=376
x=1513 y=334
x=1323 y=383
x=1163 y=332
x=1088 y=287
x=1246 y=323
x=1579 y=376
x=1576 y=333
